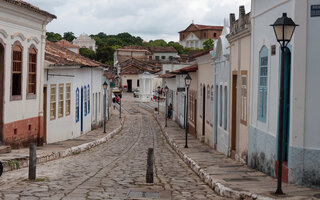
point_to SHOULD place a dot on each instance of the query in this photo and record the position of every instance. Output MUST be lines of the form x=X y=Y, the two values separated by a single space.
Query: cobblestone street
x=113 y=169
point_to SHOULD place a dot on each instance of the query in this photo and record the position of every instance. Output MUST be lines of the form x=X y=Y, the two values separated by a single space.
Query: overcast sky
x=149 y=19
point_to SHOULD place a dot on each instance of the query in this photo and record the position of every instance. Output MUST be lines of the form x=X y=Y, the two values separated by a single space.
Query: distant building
x=196 y=34
x=22 y=38
x=68 y=45
x=84 y=41
x=163 y=53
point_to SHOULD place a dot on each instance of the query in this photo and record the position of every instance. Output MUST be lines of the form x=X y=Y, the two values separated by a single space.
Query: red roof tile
x=61 y=56
x=66 y=44
x=208 y=27
x=163 y=49
x=30 y=7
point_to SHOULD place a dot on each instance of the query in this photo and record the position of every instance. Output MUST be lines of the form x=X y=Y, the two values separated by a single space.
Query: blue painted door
x=81 y=113
x=286 y=106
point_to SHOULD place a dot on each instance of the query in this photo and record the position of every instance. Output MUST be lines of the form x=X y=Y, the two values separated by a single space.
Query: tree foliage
x=69 y=36
x=88 y=53
x=53 y=37
x=208 y=44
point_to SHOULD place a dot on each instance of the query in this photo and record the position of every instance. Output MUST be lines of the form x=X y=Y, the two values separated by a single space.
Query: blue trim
x=263 y=84
x=81 y=116
x=77 y=105
x=85 y=100
x=88 y=92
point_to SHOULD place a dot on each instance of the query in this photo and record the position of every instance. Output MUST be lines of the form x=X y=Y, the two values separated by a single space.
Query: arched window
x=88 y=98
x=77 y=105
x=32 y=72
x=16 y=71
x=201 y=100
x=85 y=100
x=263 y=84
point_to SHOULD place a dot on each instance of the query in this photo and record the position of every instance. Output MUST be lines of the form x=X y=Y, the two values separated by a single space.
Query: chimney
x=232 y=19
x=242 y=12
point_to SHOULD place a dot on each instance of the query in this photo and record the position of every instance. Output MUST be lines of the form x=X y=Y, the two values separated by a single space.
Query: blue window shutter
x=263 y=85
x=77 y=105
x=85 y=100
x=88 y=99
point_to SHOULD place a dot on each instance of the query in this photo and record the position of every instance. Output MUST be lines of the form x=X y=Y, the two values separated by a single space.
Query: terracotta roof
x=30 y=7
x=134 y=66
x=61 y=56
x=167 y=75
x=66 y=44
x=208 y=27
x=162 y=49
x=185 y=70
x=134 y=48
x=109 y=75
x=201 y=53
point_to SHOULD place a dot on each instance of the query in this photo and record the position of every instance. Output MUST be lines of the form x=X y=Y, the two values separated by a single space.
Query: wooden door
x=45 y=114
x=234 y=112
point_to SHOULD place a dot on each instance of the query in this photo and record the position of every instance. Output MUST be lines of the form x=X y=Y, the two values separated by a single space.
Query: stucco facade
x=301 y=140
x=24 y=28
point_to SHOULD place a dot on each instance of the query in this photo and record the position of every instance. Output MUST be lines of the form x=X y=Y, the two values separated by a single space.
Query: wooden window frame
x=54 y=108
x=60 y=100
x=31 y=95
x=242 y=109
x=16 y=97
x=85 y=111
x=211 y=116
x=68 y=99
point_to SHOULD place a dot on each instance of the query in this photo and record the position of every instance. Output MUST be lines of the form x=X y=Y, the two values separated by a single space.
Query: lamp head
x=283 y=28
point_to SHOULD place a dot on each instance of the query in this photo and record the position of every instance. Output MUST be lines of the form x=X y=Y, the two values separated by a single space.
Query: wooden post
x=149 y=175
x=32 y=161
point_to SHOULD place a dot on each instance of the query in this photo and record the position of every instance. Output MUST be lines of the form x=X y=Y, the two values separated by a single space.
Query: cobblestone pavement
x=112 y=170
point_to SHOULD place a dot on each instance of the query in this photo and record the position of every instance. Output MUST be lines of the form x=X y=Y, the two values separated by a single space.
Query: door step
x=5 y=149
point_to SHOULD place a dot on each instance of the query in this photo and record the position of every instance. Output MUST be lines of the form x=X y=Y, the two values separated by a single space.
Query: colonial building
x=195 y=34
x=22 y=43
x=239 y=39
x=72 y=93
x=84 y=41
x=220 y=96
x=68 y=45
x=301 y=143
x=163 y=54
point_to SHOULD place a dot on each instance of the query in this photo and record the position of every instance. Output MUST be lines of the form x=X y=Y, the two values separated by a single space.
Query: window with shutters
x=60 y=100
x=68 y=98
x=53 y=101
x=77 y=105
x=85 y=100
x=88 y=94
x=211 y=115
x=16 y=84
x=225 y=123
x=263 y=84
x=32 y=73
x=243 y=103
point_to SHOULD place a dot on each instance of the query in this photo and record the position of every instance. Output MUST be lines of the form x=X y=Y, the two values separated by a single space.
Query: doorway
x=1 y=90
x=234 y=115
x=129 y=84
x=204 y=111
x=44 y=114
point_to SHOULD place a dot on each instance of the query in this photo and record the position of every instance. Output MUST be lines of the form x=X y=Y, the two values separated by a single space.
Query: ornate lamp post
x=187 y=80
x=166 y=89
x=105 y=86
x=283 y=28
x=158 y=97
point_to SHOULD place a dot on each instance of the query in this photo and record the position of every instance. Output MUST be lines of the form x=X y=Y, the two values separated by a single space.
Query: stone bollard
x=32 y=161
x=1 y=168
x=149 y=175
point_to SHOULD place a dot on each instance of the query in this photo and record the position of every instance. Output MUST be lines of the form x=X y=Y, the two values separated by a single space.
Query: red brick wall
x=21 y=133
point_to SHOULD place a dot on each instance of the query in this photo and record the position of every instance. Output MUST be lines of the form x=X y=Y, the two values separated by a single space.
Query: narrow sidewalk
x=18 y=158
x=227 y=177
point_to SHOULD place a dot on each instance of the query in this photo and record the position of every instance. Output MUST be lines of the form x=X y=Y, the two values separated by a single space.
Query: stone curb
x=13 y=164
x=215 y=185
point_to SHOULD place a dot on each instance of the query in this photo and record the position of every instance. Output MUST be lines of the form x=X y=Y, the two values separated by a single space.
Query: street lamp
x=187 y=80
x=166 y=89
x=283 y=28
x=158 y=97
x=105 y=85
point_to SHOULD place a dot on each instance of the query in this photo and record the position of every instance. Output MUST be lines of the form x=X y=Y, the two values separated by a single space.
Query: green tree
x=69 y=36
x=53 y=37
x=88 y=53
x=180 y=49
x=208 y=44
x=104 y=54
x=156 y=43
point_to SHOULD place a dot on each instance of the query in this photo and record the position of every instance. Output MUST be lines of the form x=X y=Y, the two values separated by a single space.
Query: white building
x=84 y=41
x=73 y=94
x=221 y=77
x=301 y=144
x=22 y=43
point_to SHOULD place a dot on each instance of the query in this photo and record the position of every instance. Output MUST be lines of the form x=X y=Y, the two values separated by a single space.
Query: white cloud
x=149 y=19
